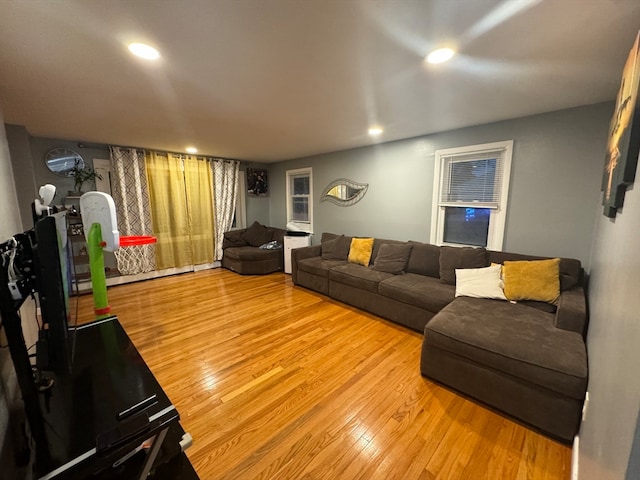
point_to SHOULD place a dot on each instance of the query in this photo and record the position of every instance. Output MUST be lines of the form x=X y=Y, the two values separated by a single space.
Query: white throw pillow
x=480 y=282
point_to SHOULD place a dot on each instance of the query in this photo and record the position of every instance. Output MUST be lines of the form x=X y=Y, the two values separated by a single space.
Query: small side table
x=291 y=242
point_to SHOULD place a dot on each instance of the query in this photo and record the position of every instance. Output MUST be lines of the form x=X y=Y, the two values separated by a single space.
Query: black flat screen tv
x=53 y=282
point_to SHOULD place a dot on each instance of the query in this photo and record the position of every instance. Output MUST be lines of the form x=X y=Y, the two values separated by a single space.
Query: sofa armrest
x=571 y=313
x=298 y=254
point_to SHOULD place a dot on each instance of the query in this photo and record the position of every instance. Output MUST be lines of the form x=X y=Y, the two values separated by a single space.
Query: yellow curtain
x=181 y=197
x=169 y=210
x=199 y=187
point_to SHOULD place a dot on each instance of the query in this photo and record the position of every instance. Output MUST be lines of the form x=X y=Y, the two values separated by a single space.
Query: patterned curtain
x=131 y=196
x=225 y=180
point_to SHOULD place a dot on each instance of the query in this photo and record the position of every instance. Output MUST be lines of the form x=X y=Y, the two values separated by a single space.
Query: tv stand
x=109 y=417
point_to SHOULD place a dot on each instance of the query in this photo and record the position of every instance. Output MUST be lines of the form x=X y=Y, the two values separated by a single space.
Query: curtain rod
x=104 y=146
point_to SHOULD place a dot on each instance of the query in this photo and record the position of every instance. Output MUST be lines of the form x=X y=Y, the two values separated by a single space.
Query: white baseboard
x=85 y=287
x=574 y=457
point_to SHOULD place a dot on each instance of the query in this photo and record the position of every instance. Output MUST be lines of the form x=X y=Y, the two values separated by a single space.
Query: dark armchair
x=241 y=252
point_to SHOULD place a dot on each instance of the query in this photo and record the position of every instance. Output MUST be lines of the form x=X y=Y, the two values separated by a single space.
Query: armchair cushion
x=256 y=235
x=233 y=238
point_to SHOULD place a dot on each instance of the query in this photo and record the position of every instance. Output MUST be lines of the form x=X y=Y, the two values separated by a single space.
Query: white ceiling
x=269 y=80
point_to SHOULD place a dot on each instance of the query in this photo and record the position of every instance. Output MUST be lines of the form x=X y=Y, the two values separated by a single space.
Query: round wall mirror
x=62 y=160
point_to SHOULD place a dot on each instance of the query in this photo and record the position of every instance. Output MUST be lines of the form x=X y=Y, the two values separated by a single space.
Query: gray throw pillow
x=336 y=249
x=424 y=259
x=233 y=238
x=256 y=235
x=460 y=257
x=392 y=258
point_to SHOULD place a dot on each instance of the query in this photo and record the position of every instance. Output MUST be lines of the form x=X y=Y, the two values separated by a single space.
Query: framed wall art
x=257 y=182
x=623 y=146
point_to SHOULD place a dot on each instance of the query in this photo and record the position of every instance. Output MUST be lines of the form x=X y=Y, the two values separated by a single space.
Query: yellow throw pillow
x=532 y=280
x=360 y=251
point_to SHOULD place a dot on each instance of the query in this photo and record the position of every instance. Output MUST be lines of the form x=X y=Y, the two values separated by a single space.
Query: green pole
x=96 y=266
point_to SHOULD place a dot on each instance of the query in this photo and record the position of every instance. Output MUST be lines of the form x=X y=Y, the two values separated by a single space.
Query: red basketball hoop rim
x=134 y=240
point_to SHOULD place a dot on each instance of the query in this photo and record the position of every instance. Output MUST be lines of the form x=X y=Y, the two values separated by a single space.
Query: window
x=300 y=198
x=470 y=195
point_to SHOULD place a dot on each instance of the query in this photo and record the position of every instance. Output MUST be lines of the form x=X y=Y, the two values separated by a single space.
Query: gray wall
x=555 y=180
x=607 y=448
x=258 y=207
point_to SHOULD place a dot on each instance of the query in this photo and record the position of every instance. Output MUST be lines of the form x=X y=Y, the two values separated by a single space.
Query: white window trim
x=302 y=226
x=498 y=216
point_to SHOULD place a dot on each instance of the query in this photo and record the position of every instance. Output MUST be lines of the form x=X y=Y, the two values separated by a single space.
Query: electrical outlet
x=585 y=406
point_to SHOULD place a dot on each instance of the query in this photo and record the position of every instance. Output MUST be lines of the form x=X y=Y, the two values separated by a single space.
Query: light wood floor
x=277 y=382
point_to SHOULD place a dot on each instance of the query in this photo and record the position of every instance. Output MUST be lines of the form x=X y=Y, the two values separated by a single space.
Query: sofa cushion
x=336 y=249
x=318 y=266
x=459 y=257
x=358 y=276
x=483 y=282
x=360 y=251
x=256 y=235
x=378 y=242
x=570 y=268
x=392 y=258
x=537 y=280
x=424 y=259
x=418 y=290
x=514 y=339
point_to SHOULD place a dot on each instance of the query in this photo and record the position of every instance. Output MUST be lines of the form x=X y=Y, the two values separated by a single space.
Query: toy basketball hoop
x=134 y=255
x=101 y=231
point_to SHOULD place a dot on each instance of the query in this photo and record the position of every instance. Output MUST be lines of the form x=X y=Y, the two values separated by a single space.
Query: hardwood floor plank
x=277 y=382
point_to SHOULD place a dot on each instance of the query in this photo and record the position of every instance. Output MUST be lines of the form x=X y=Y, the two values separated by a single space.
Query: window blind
x=472 y=179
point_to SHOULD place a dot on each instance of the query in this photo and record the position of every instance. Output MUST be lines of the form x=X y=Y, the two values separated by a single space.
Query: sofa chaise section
x=511 y=357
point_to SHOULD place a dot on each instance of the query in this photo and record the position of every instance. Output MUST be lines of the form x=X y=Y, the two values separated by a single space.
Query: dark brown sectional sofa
x=242 y=254
x=526 y=359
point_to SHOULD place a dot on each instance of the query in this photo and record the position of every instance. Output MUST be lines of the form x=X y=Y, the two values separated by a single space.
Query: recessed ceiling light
x=375 y=131
x=192 y=150
x=144 y=51
x=440 y=55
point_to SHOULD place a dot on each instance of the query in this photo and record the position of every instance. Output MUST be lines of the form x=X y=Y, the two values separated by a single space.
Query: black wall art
x=257 y=182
